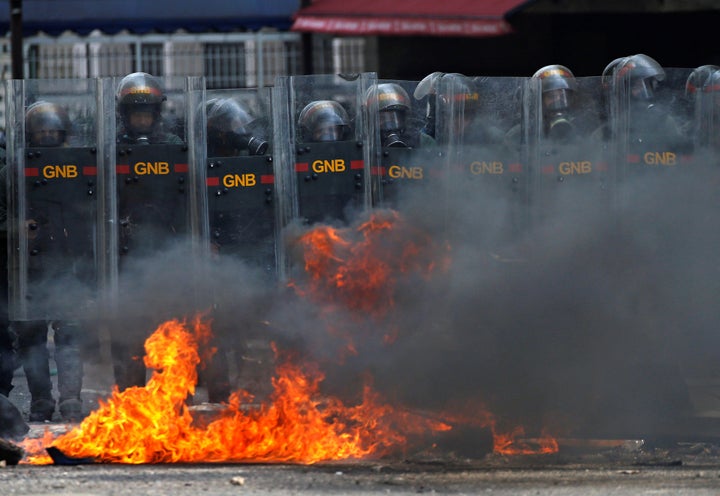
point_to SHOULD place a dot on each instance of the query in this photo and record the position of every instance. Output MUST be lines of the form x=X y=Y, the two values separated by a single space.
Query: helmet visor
x=328 y=131
x=556 y=100
x=391 y=120
x=644 y=89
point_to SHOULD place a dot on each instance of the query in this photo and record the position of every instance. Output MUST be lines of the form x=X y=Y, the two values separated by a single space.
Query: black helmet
x=643 y=73
x=46 y=124
x=229 y=127
x=558 y=86
x=323 y=120
x=139 y=92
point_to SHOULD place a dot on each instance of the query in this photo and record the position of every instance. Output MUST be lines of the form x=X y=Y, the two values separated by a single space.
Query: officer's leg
x=70 y=369
x=216 y=376
x=8 y=360
x=8 y=355
x=127 y=347
x=34 y=356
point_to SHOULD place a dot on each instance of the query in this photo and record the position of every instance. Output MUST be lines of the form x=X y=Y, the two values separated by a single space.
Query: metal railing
x=231 y=60
x=227 y=60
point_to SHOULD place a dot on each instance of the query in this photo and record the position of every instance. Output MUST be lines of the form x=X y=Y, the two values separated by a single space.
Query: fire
x=153 y=424
x=512 y=443
x=505 y=441
x=358 y=267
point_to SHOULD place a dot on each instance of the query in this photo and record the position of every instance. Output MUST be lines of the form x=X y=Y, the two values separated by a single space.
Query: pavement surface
x=695 y=471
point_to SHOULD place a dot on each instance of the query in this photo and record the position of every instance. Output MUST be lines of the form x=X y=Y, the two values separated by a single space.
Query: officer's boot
x=217 y=378
x=8 y=361
x=34 y=356
x=70 y=370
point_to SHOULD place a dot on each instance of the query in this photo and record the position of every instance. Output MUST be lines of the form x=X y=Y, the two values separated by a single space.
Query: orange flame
x=505 y=442
x=512 y=444
x=358 y=268
x=152 y=424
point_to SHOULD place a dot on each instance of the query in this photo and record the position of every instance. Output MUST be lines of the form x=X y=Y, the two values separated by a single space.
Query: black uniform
x=8 y=358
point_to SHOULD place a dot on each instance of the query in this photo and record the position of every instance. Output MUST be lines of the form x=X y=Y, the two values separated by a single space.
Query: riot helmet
x=558 y=87
x=46 y=124
x=608 y=73
x=710 y=96
x=324 y=120
x=428 y=88
x=696 y=80
x=460 y=95
x=139 y=103
x=711 y=89
x=557 y=95
x=644 y=75
x=393 y=104
x=230 y=129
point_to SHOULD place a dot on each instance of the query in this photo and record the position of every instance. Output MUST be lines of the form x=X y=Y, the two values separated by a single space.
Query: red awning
x=408 y=17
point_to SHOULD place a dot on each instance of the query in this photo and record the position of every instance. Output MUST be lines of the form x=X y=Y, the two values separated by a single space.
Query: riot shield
x=55 y=169
x=648 y=124
x=240 y=176
x=702 y=92
x=568 y=155
x=161 y=207
x=487 y=171
x=408 y=155
x=324 y=138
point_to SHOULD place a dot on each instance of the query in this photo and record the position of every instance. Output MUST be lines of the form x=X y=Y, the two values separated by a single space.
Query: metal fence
x=232 y=60
x=227 y=60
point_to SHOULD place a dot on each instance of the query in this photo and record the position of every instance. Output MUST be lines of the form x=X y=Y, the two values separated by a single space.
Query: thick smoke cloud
x=591 y=314
x=594 y=319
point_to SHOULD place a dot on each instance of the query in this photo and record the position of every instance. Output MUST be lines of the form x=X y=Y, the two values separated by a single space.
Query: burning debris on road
x=154 y=425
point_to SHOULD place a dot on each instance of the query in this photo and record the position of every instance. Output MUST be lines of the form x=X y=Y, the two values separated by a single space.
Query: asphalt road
x=498 y=476
x=582 y=467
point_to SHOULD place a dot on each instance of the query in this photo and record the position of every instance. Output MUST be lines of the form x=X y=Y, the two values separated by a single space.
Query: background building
x=247 y=44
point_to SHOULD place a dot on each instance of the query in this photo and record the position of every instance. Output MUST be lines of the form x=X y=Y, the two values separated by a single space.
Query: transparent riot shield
x=323 y=133
x=569 y=160
x=702 y=92
x=240 y=176
x=55 y=169
x=408 y=157
x=160 y=193
x=648 y=124
x=487 y=170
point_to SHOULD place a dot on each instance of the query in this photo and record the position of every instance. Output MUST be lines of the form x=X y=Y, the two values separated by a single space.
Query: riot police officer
x=427 y=88
x=241 y=219
x=558 y=95
x=152 y=208
x=644 y=76
x=230 y=129
x=702 y=95
x=139 y=103
x=47 y=125
x=643 y=118
x=393 y=107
